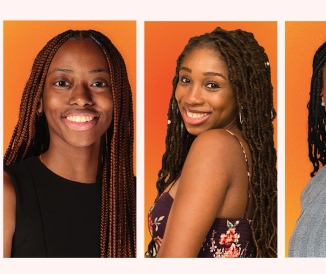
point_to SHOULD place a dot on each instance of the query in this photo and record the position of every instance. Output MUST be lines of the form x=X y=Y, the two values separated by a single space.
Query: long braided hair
x=249 y=74
x=31 y=138
x=316 y=113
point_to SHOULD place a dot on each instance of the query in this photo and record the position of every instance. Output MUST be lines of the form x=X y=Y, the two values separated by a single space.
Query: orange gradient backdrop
x=164 y=41
x=24 y=39
x=302 y=39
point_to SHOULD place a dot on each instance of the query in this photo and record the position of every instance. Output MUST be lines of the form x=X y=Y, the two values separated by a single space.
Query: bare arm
x=9 y=214
x=203 y=186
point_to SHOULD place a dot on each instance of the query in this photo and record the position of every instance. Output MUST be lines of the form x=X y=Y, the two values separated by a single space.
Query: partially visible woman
x=69 y=185
x=217 y=188
x=308 y=238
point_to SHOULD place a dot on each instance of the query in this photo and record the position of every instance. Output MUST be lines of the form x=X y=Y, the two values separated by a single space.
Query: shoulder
x=22 y=165
x=216 y=153
x=217 y=143
x=21 y=176
x=315 y=189
x=215 y=135
x=22 y=168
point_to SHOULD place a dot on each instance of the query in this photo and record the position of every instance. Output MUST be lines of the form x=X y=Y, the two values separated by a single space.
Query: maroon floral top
x=227 y=238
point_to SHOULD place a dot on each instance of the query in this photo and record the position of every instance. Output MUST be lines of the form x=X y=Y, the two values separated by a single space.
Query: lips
x=195 y=117
x=80 y=119
x=80 y=122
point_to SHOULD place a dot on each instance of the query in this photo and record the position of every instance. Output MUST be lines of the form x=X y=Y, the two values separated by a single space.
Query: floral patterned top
x=227 y=238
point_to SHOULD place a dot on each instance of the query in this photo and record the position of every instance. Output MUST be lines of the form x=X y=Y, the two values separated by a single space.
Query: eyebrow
x=205 y=73
x=186 y=69
x=61 y=70
x=71 y=71
x=98 y=70
x=214 y=74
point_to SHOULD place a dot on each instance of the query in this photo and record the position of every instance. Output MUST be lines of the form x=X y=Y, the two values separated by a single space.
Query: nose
x=80 y=95
x=194 y=95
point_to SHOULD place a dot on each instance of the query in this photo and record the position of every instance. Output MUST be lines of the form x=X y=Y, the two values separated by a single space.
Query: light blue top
x=309 y=236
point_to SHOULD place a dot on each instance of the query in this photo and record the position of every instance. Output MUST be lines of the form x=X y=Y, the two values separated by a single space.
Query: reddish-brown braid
x=31 y=138
x=249 y=74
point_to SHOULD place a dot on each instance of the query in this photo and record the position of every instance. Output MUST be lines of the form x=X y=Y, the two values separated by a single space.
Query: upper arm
x=202 y=188
x=9 y=214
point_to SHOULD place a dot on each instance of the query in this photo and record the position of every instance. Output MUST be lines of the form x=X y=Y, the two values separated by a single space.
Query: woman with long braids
x=308 y=236
x=217 y=188
x=69 y=185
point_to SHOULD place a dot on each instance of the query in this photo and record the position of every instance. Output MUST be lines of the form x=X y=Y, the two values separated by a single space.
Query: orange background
x=164 y=41
x=302 y=39
x=24 y=39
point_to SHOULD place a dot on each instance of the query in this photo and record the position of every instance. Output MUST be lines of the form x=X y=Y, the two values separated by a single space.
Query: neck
x=75 y=164
x=232 y=125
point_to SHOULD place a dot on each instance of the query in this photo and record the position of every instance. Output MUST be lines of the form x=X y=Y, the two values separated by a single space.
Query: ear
x=40 y=107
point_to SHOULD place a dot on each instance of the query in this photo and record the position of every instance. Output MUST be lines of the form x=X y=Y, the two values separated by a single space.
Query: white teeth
x=196 y=115
x=80 y=119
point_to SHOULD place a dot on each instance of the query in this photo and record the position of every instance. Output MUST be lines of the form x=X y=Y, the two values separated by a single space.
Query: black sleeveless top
x=55 y=217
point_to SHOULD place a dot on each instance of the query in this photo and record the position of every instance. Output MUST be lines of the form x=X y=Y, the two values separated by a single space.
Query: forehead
x=204 y=58
x=79 y=52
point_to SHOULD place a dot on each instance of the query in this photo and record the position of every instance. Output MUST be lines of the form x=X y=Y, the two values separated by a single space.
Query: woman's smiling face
x=77 y=97
x=204 y=93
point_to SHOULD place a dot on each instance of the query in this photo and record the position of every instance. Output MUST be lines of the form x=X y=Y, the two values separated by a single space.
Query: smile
x=195 y=118
x=80 y=119
x=195 y=115
x=80 y=122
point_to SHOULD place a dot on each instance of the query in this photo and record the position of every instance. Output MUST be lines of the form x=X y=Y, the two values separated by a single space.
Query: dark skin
x=77 y=102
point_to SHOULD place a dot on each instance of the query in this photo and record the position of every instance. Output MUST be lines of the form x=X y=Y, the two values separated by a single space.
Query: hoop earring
x=240 y=118
x=323 y=103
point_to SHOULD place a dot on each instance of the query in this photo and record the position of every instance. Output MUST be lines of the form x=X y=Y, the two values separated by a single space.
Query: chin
x=81 y=143
x=195 y=131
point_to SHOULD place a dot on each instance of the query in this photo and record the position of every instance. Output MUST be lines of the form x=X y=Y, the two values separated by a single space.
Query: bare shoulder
x=215 y=153
x=216 y=135
x=216 y=143
x=9 y=213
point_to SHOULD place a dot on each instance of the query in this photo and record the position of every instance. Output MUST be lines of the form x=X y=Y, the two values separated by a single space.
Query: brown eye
x=61 y=84
x=99 y=84
x=212 y=85
x=184 y=80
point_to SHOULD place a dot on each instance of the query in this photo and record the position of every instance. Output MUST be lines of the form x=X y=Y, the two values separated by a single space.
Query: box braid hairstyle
x=31 y=138
x=316 y=112
x=249 y=74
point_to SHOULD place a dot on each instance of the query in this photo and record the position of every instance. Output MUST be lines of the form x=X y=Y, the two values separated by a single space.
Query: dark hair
x=316 y=113
x=31 y=138
x=249 y=74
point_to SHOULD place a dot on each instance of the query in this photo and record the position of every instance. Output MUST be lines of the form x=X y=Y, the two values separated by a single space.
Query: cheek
x=224 y=103
x=178 y=94
x=107 y=108
x=50 y=103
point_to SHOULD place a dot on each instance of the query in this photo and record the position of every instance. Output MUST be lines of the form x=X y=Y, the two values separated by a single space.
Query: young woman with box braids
x=69 y=185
